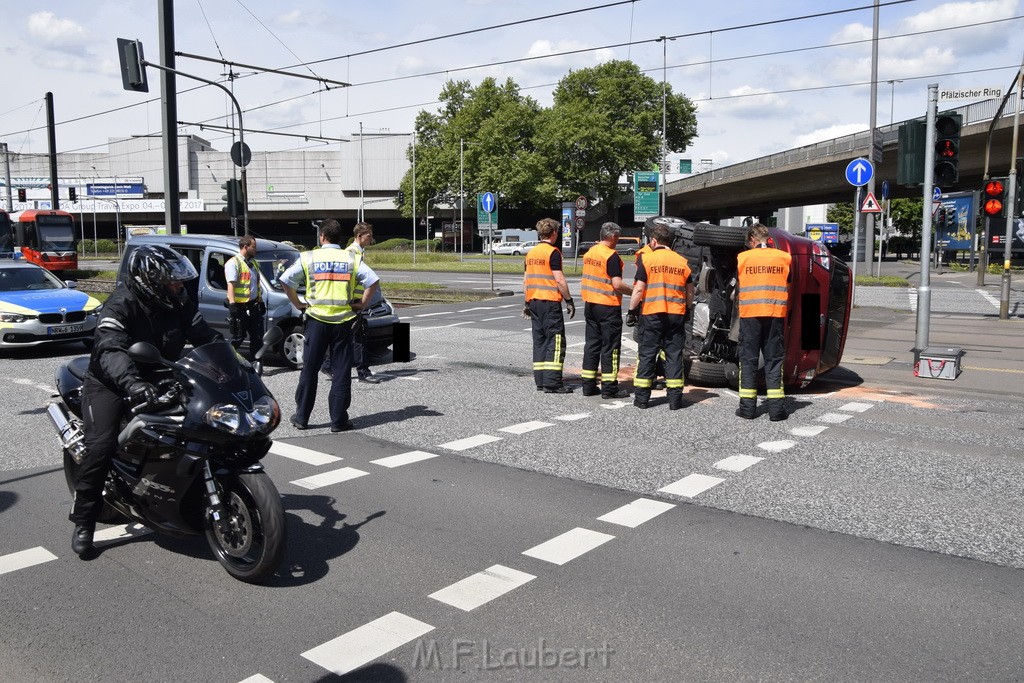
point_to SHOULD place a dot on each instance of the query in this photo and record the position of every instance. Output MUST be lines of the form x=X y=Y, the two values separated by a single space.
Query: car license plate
x=65 y=329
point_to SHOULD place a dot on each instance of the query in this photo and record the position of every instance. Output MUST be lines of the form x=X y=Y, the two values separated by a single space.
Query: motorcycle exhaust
x=70 y=433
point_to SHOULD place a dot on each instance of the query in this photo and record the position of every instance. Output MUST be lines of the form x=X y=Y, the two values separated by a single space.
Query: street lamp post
x=95 y=248
x=414 y=196
x=664 y=128
x=462 y=196
x=892 y=98
x=117 y=208
x=426 y=217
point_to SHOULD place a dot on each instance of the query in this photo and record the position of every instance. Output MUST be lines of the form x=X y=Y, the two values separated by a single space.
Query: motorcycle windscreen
x=219 y=363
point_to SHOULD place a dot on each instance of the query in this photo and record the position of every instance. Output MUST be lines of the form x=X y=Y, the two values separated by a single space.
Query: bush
x=102 y=247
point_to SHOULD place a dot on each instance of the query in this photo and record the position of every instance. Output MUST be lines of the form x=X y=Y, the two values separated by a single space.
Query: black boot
x=776 y=410
x=747 y=409
x=675 y=402
x=590 y=389
x=81 y=539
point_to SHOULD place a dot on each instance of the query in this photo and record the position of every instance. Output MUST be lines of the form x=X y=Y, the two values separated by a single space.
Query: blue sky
x=758 y=90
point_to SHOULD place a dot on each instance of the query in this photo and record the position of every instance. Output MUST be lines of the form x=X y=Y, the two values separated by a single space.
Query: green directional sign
x=645 y=195
x=686 y=165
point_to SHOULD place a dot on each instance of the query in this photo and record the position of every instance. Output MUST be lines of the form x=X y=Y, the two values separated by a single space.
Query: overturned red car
x=820 y=299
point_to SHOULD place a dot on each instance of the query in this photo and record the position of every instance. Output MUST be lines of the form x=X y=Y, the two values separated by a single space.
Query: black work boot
x=614 y=393
x=641 y=401
x=747 y=409
x=675 y=401
x=590 y=389
x=81 y=539
x=776 y=410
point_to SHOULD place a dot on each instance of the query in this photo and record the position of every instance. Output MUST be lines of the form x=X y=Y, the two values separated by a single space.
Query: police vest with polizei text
x=596 y=287
x=763 y=282
x=540 y=280
x=330 y=283
x=667 y=275
x=244 y=291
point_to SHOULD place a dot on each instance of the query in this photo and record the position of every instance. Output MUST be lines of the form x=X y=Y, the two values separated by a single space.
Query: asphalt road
x=875 y=535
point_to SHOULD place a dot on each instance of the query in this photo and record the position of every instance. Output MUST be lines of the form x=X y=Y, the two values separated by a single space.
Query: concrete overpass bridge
x=815 y=174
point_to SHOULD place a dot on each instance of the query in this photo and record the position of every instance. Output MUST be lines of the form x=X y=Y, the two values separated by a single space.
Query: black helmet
x=152 y=269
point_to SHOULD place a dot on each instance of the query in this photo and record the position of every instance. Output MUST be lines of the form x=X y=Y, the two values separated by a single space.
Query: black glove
x=261 y=308
x=526 y=311
x=141 y=393
x=232 y=308
x=570 y=307
x=632 y=317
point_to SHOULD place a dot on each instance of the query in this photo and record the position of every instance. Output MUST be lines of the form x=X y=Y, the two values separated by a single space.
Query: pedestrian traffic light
x=234 y=202
x=993 y=197
x=22 y=197
x=72 y=194
x=947 y=149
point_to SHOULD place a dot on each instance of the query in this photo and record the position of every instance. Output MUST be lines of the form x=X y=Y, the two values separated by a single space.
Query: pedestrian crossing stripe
x=870 y=204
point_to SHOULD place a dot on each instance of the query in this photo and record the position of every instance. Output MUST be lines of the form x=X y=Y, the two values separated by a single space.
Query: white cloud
x=835 y=131
x=62 y=35
x=746 y=102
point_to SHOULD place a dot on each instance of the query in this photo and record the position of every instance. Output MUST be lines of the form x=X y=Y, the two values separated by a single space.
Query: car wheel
x=630 y=252
x=713 y=374
x=291 y=346
x=515 y=253
x=708 y=235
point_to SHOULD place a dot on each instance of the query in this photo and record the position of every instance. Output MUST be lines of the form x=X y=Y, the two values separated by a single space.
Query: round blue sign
x=937 y=193
x=859 y=172
x=487 y=202
x=885 y=189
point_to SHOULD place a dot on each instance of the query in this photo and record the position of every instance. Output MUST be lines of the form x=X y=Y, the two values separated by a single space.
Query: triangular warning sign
x=870 y=205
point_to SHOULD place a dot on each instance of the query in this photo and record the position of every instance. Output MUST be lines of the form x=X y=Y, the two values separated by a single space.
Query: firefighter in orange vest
x=602 y=289
x=659 y=366
x=763 y=275
x=663 y=285
x=544 y=287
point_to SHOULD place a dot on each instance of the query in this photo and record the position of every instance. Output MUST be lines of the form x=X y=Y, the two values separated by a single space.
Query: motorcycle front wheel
x=250 y=542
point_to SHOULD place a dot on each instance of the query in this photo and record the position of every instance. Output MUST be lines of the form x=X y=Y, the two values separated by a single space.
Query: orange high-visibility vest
x=763 y=282
x=646 y=249
x=596 y=287
x=540 y=280
x=667 y=275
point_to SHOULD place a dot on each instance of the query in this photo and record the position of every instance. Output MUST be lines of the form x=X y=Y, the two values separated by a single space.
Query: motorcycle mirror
x=144 y=352
x=272 y=337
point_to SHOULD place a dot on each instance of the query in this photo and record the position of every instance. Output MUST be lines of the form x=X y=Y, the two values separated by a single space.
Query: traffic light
x=22 y=196
x=72 y=194
x=233 y=199
x=940 y=218
x=993 y=197
x=910 y=155
x=400 y=198
x=947 y=149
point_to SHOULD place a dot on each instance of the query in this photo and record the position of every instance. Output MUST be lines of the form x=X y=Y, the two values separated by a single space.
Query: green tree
x=906 y=218
x=605 y=123
x=496 y=127
x=841 y=213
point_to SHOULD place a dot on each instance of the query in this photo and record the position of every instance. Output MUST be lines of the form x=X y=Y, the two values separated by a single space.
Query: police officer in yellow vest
x=330 y=275
x=544 y=288
x=602 y=289
x=244 y=301
x=763 y=278
x=663 y=285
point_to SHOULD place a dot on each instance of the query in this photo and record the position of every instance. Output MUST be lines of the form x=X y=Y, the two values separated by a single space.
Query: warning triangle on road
x=870 y=205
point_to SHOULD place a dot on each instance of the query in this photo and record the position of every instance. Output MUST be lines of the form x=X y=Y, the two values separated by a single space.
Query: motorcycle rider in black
x=151 y=305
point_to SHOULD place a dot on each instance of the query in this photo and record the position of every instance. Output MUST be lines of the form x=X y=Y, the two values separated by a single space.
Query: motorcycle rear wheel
x=108 y=515
x=252 y=547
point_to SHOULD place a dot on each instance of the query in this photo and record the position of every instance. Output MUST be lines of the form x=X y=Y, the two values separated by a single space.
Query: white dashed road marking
x=470 y=442
x=776 y=446
x=856 y=407
x=368 y=642
x=573 y=418
x=442 y=327
x=636 y=513
x=833 y=418
x=25 y=558
x=568 y=546
x=692 y=485
x=118 y=533
x=524 y=427
x=258 y=678
x=737 y=463
x=482 y=587
x=808 y=430
x=310 y=457
x=404 y=458
x=427 y=315
x=615 y=405
x=500 y=317
x=327 y=478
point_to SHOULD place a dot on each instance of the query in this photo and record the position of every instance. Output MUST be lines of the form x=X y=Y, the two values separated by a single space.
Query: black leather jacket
x=125 y=321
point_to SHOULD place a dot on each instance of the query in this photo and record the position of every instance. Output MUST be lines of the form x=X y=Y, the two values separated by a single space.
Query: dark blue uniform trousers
x=323 y=340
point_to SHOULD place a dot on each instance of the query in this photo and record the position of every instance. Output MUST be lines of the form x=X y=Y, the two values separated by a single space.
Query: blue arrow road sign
x=885 y=189
x=937 y=193
x=487 y=202
x=859 y=172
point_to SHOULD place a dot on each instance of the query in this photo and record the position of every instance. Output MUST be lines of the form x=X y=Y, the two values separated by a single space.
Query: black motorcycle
x=189 y=462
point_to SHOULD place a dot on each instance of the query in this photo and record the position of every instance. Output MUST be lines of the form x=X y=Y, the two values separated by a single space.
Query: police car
x=37 y=308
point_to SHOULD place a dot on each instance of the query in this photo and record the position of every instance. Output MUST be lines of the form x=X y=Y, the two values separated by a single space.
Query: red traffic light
x=992 y=197
x=945 y=149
